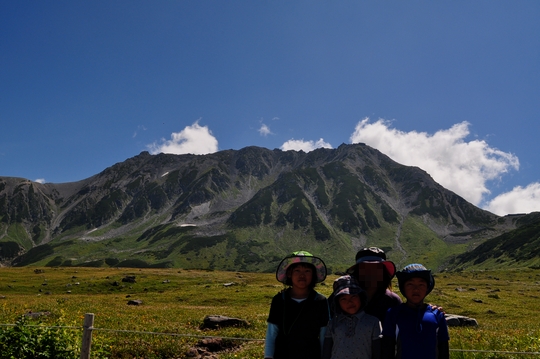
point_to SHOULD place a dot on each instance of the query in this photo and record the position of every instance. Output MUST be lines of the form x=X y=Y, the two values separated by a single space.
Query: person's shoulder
x=370 y=318
x=319 y=296
x=392 y=296
x=391 y=318
x=280 y=295
x=395 y=310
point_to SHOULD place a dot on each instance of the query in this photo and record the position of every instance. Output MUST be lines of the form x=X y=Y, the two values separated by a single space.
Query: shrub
x=38 y=341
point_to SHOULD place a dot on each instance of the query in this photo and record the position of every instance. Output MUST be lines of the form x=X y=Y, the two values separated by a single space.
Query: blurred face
x=301 y=276
x=415 y=291
x=350 y=303
x=371 y=274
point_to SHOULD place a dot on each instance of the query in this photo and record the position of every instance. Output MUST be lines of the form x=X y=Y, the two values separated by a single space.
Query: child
x=298 y=315
x=351 y=334
x=418 y=330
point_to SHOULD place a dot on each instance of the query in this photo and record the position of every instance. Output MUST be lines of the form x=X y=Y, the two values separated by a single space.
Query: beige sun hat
x=301 y=257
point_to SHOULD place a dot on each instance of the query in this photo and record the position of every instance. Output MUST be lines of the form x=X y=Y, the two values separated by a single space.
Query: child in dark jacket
x=415 y=330
x=351 y=333
x=298 y=315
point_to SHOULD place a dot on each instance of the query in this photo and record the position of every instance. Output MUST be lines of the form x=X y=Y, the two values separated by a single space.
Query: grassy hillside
x=517 y=248
x=176 y=301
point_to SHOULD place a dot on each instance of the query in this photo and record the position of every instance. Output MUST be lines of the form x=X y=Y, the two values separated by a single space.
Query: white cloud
x=305 y=146
x=461 y=166
x=194 y=139
x=40 y=180
x=264 y=130
x=518 y=200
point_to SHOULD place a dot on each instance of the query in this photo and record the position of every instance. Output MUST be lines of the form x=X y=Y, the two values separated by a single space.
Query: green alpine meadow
x=174 y=302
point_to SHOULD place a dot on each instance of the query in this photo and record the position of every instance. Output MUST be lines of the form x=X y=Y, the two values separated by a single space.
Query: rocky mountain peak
x=239 y=210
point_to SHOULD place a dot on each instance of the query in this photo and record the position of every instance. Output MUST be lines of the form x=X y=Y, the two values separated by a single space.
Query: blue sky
x=452 y=87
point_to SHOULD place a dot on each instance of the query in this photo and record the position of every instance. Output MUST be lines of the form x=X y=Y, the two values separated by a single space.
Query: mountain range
x=244 y=210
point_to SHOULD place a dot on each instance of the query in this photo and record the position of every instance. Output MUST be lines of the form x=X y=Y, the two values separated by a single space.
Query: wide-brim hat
x=301 y=257
x=415 y=270
x=373 y=255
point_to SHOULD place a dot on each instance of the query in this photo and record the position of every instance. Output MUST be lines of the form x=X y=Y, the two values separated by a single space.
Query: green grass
x=176 y=301
x=422 y=245
x=17 y=233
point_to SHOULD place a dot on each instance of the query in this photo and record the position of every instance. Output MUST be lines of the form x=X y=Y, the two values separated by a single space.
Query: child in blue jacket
x=415 y=330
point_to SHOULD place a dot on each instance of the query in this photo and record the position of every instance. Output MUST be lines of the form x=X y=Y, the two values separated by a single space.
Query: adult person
x=374 y=274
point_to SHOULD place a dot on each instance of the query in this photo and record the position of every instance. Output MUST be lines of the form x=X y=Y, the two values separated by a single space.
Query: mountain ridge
x=240 y=210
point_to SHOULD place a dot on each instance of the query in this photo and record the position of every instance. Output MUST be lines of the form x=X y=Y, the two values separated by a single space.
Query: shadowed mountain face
x=520 y=247
x=240 y=210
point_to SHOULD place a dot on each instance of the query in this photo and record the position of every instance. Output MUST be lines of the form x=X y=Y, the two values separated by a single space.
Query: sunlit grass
x=176 y=302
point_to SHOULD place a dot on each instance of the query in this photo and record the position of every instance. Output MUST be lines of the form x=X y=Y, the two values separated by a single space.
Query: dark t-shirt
x=299 y=325
x=379 y=304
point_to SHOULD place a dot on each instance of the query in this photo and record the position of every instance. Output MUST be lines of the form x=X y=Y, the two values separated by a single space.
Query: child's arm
x=388 y=341
x=322 y=334
x=270 y=341
x=443 y=339
x=444 y=350
x=376 y=340
x=328 y=344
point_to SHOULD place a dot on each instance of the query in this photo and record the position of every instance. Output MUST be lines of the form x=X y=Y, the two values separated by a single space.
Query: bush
x=38 y=341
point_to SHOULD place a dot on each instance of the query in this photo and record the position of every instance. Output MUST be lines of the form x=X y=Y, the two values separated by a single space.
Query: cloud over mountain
x=195 y=139
x=465 y=166
x=458 y=164
x=306 y=146
x=518 y=200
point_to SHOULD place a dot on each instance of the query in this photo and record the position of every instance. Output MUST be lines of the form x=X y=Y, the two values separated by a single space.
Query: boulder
x=35 y=315
x=453 y=320
x=207 y=347
x=129 y=279
x=220 y=321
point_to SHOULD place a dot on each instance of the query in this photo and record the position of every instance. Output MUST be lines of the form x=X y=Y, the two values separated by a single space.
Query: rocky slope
x=240 y=210
x=519 y=247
